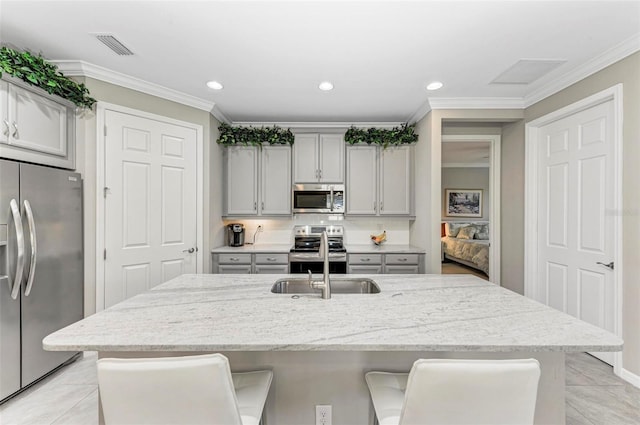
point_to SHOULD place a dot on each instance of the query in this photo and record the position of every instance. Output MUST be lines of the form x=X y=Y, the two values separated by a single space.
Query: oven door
x=316 y=267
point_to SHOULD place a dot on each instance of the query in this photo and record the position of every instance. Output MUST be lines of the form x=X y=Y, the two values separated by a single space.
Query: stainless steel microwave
x=318 y=198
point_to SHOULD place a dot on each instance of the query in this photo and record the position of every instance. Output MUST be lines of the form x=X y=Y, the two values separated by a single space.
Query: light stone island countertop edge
x=411 y=313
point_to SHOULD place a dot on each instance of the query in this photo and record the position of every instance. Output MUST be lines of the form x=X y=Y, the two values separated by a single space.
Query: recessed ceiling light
x=435 y=85
x=325 y=86
x=214 y=85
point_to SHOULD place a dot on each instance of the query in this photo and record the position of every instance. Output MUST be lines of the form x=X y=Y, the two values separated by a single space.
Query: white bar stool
x=180 y=390
x=460 y=392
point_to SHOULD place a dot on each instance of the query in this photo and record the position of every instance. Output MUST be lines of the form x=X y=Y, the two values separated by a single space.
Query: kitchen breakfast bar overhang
x=319 y=350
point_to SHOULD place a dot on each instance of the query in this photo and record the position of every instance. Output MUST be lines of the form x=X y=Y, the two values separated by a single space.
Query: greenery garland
x=252 y=136
x=36 y=71
x=402 y=135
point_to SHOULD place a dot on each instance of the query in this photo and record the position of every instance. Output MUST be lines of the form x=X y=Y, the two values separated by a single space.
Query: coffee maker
x=235 y=234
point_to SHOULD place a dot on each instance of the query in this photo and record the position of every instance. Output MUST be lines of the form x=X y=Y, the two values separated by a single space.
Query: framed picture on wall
x=463 y=202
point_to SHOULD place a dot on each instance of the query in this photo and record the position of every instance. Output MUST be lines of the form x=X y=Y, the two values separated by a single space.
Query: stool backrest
x=168 y=390
x=474 y=392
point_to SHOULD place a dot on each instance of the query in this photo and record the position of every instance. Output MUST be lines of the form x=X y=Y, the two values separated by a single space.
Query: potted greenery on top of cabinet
x=37 y=111
x=258 y=170
x=380 y=171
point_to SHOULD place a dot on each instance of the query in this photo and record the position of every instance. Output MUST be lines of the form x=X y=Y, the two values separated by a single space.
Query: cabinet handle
x=271 y=259
x=365 y=259
x=320 y=173
x=234 y=259
x=15 y=132
x=381 y=206
x=402 y=260
x=255 y=206
x=374 y=206
x=262 y=205
x=317 y=173
x=8 y=127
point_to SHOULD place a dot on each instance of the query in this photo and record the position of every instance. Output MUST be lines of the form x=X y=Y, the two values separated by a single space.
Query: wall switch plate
x=323 y=414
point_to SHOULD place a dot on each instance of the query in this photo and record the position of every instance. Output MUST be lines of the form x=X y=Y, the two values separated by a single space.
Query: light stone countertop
x=351 y=249
x=383 y=249
x=412 y=313
x=277 y=248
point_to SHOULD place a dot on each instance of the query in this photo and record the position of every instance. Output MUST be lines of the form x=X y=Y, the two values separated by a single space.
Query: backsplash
x=357 y=230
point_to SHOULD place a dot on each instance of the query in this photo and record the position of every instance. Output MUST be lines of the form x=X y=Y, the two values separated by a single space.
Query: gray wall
x=86 y=164
x=466 y=178
x=627 y=72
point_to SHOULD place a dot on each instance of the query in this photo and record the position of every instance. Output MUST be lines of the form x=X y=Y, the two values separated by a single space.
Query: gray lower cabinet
x=271 y=263
x=385 y=263
x=245 y=263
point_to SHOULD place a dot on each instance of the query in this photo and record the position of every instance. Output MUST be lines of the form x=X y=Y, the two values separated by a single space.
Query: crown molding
x=609 y=57
x=476 y=103
x=317 y=125
x=420 y=113
x=85 y=69
x=217 y=114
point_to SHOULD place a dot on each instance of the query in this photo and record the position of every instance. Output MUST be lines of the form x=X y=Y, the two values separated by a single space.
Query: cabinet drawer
x=401 y=269
x=234 y=258
x=356 y=259
x=234 y=269
x=401 y=259
x=364 y=269
x=271 y=269
x=272 y=258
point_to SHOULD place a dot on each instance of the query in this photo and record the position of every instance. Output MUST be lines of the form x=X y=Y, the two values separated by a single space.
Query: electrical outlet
x=323 y=414
x=260 y=228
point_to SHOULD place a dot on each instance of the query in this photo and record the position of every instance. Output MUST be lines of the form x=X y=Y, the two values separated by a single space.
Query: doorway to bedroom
x=470 y=205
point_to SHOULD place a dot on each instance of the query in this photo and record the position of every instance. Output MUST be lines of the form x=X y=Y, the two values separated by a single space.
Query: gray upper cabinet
x=362 y=180
x=379 y=181
x=318 y=158
x=258 y=181
x=275 y=194
x=36 y=127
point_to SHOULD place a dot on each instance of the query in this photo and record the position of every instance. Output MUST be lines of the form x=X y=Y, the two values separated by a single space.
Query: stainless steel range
x=305 y=256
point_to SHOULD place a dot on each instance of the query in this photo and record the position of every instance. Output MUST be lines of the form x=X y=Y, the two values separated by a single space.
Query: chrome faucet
x=325 y=284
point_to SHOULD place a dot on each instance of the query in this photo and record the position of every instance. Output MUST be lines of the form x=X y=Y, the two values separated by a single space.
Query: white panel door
x=150 y=204
x=362 y=177
x=575 y=222
x=331 y=154
x=276 y=180
x=305 y=159
x=395 y=181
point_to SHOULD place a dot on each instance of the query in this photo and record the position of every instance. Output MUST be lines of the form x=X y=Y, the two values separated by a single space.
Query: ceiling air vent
x=114 y=44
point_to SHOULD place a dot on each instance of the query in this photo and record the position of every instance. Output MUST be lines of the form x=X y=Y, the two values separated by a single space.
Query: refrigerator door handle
x=34 y=247
x=17 y=221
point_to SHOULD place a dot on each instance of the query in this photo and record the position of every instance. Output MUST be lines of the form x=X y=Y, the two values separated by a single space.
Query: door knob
x=610 y=265
x=190 y=250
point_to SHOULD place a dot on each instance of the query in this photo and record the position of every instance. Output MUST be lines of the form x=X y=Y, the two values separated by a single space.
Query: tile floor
x=594 y=396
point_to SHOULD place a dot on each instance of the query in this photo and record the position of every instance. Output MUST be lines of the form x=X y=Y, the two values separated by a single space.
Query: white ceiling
x=380 y=55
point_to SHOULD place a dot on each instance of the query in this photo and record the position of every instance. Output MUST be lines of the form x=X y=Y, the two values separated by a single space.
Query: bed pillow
x=482 y=232
x=467 y=232
x=452 y=229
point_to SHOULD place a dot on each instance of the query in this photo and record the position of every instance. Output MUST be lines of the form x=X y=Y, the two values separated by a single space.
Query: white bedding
x=473 y=251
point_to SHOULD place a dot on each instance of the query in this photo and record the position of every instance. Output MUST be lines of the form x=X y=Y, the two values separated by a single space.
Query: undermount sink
x=338 y=286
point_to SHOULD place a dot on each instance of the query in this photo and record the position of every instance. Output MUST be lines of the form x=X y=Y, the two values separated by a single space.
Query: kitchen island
x=320 y=349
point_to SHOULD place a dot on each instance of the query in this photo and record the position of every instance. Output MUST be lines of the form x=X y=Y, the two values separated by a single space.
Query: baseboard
x=630 y=377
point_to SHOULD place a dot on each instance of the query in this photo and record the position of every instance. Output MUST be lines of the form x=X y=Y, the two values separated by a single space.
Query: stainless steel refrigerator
x=41 y=268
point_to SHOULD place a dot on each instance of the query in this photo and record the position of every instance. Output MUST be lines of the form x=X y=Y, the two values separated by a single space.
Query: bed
x=467 y=243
